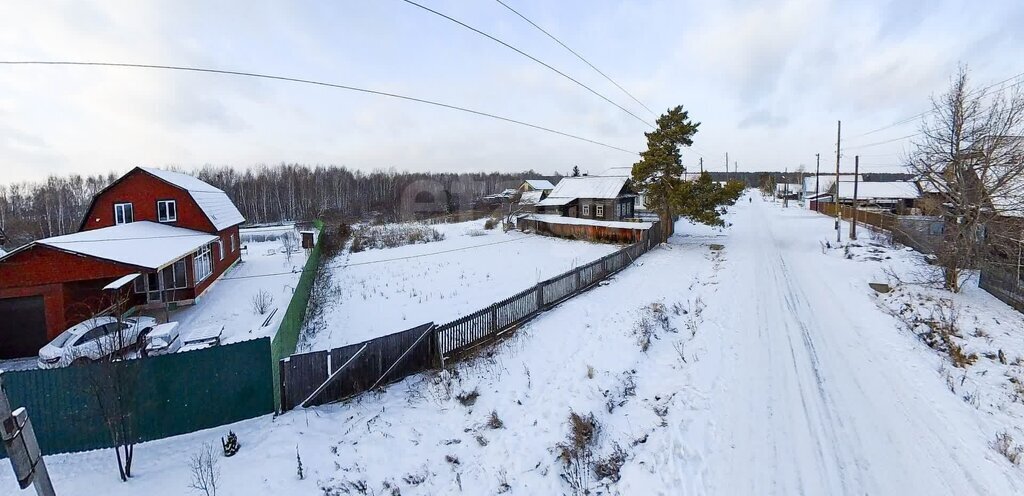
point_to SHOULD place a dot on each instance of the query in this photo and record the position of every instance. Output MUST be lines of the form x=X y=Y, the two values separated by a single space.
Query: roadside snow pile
x=979 y=339
x=377 y=292
x=392 y=236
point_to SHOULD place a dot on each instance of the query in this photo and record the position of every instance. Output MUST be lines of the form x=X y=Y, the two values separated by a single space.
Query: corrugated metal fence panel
x=174 y=394
x=1004 y=286
x=287 y=336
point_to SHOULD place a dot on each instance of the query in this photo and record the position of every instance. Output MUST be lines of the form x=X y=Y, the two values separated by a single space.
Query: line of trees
x=34 y=210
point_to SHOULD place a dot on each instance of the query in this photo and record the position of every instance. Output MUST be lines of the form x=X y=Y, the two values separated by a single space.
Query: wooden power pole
x=817 y=179
x=835 y=199
x=853 y=221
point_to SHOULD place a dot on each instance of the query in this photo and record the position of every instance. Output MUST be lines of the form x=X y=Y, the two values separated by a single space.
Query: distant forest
x=286 y=192
x=264 y=194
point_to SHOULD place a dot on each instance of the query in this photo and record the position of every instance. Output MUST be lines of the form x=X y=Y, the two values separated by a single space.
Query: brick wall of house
x=143 y=190
x=61 y=279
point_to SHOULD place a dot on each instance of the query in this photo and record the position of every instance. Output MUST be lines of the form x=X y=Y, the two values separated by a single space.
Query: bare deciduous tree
x=970 y=156
x=205 y=470
x=114 y=381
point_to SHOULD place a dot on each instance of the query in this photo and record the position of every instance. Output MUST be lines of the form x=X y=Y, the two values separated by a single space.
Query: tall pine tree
x=659 y=176
x=659 y=173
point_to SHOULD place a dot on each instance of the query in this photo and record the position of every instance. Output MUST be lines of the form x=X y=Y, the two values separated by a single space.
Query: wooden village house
x=178 y=233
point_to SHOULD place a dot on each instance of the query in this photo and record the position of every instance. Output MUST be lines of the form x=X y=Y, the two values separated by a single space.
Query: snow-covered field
x=383 y=291
x=771 y=368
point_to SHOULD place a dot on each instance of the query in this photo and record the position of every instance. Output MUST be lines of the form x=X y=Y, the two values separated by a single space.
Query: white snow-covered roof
x=879 y=190
x=589 y=187
x=623 y=171
x=221 y=211
x=2 y=252
x=554 y=202
x=144 y=244
x=825 y=181
x=791 y=188
x=121 y=282
x=542 y=184
x=531 y=197
x=558 y=219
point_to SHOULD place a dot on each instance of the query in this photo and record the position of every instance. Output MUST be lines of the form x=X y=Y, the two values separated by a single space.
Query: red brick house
x=177 y=232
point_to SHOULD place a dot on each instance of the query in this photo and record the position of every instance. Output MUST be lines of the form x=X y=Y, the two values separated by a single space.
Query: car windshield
x=62 y=339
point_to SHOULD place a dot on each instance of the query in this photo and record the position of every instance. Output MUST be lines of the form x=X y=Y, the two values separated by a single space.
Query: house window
x=166 y=211
x=233 y=245
x=174 y=276
x=220 y=248
x=600 y=211
x=586 y=209
x=123 y=213
x=202 y=261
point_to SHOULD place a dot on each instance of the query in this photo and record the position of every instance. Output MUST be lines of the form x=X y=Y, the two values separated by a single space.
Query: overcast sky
x=767 y=79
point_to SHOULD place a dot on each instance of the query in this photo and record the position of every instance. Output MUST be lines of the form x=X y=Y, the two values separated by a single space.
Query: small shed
x=308 y=239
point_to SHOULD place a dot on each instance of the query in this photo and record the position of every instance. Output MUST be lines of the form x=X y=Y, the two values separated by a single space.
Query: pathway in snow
x=817 y=392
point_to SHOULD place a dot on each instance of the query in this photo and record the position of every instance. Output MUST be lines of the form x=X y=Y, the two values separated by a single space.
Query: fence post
x=540 y=296
x=494 y=317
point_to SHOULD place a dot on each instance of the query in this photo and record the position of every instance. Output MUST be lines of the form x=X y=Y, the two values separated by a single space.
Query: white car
x=94 y=339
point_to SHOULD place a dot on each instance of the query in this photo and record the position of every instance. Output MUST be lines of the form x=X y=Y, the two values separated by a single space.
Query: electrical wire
x=592 y=66
x=531 y=57
x=922 y=114
x=317 y=83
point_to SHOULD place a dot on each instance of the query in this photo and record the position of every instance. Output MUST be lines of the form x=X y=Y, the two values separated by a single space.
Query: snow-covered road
x=816 y=391
x=770 y=370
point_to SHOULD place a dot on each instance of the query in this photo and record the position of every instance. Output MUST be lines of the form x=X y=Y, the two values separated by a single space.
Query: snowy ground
x=383 y=291
x=264 y=266
x=772 y=368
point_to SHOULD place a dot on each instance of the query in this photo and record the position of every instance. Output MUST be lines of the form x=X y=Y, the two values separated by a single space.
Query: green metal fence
x=287 y=336
x=172 y=395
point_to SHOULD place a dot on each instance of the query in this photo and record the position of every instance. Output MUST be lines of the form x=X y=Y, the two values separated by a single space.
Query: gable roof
x=145 y=244
x=879 y=190
x=542 y=184
x=825 y=181
x=602 y=187
x=214 y=202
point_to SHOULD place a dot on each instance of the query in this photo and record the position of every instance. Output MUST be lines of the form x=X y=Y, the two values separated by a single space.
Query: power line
x=317 y=83
x=922 y=114
x=592 y=66
x=531 y=57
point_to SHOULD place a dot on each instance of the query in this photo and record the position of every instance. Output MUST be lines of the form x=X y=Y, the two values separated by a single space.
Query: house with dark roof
x=177 y=233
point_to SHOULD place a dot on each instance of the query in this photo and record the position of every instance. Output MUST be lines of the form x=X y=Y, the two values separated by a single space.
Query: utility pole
x=785 y=187
x=702 y=165
x=22 y=447
x=817 y=179
x=853 y=222
x=835 y=199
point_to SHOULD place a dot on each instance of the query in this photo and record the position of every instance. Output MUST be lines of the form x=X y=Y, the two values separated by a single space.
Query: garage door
x=22 y=326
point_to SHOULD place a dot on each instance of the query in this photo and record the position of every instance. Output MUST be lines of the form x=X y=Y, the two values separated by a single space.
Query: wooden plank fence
x=304 y=377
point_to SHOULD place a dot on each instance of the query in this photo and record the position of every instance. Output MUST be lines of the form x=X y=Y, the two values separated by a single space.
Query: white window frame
x=586 y=209
x=168 y=203
x=220 y=249
x=233 y=245
x=124 y=213
x=599 y=211
x=202 y=263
